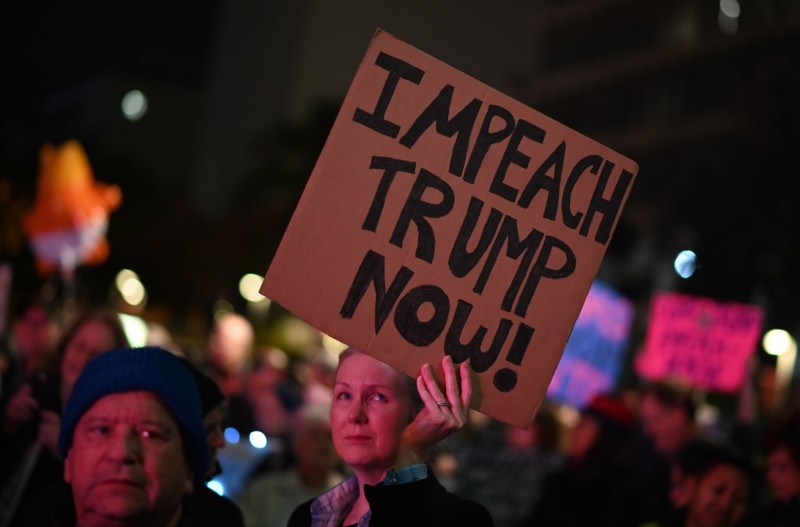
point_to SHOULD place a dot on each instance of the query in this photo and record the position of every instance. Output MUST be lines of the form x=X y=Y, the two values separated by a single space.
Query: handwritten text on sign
x=443 y=217
x=703 y=341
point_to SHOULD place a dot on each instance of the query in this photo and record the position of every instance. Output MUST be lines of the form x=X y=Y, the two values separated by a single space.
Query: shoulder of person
x=209 y=508
x=455 y=510
x=301 y=516
x=51 y=505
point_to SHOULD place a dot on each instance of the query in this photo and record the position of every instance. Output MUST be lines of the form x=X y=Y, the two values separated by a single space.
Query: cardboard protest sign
x=593 y=357
x=705 y=342
x=443 y=217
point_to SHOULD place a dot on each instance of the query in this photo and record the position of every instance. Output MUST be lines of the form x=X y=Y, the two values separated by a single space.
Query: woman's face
x=92 y=338
x=783 y=475
x=370 y=410
x=718 y=499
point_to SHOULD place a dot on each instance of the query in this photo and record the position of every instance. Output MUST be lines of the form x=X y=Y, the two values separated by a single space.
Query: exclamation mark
x=505 y=379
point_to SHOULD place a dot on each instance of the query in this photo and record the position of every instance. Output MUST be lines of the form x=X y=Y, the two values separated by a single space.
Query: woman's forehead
x=365 y=368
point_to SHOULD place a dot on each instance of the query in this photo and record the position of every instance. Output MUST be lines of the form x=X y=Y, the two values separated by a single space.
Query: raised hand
x=443 y=414
x=22 y=408
x=49 y=428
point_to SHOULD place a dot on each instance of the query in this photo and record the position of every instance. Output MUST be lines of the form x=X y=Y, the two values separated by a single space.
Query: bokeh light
x=685 y=264
x=216 y=486
x=258 y=439
x=134 y=105
x=333 y=346
x=728 y=18
x=249 y=286
x=777 y=342
x=130 y=288
x=135 y=329
x=231 y=435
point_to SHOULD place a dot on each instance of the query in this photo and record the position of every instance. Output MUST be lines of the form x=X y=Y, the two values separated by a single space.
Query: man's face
x=718 y=499
x=127 y=463
x=669 y=428
x=783 y=475
x=215 y=436
x=34 y=334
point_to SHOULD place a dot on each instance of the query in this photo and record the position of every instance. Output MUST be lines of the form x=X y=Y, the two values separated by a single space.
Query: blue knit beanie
x=151 y=369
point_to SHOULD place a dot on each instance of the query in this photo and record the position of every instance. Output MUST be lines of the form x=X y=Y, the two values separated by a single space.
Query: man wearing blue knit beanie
x=133 y=441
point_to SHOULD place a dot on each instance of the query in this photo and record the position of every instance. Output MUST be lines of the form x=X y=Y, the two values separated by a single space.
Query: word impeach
x=455 y=221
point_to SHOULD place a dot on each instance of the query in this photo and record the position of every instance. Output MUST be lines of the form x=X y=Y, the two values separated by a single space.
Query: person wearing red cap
x=599 y=458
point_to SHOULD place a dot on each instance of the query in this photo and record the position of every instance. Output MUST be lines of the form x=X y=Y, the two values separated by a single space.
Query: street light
x=781 y=344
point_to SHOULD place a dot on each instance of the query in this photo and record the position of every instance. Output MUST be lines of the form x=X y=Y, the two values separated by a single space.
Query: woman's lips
x=357 y=437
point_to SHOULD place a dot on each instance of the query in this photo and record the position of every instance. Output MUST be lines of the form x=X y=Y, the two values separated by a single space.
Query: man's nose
x=125 y=446
x=216 y=438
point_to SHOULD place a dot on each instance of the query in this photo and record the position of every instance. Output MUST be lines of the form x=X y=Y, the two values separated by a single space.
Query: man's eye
x=98 y=430
x=151 y=434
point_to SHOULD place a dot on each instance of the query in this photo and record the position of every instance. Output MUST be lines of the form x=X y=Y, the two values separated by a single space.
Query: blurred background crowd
x=655 y=453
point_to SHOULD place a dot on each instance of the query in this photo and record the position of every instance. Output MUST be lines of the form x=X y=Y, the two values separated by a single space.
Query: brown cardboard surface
x=375 y=254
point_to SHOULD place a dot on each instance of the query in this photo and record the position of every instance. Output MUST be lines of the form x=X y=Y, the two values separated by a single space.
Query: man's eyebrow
x=161 y=423
x=165 y=424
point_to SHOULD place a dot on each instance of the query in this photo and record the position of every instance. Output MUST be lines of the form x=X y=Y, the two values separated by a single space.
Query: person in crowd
x=268 y=406
x=230 y=349
x=598 y=458
x=781 y=447
x=31 y=347
x=507 y=477
x=456 y=460
x=211 y=508
x=710 y=486
x=272 y=399
x=315 y=375
x=383 y=428
x=667 y=423
x=32 y=419
x=133 y=445
x=269 y=499
x=667 y=413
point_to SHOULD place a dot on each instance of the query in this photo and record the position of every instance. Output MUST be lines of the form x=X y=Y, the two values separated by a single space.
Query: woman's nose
x=356 y=412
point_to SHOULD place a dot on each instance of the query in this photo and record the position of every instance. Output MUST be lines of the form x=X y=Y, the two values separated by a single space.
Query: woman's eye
x=379 y=397
x=343 y=395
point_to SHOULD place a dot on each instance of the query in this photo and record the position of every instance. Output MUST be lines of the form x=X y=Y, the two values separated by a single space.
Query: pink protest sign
x=705 y=342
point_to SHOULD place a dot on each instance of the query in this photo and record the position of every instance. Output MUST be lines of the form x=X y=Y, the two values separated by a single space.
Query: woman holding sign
x=383 y=427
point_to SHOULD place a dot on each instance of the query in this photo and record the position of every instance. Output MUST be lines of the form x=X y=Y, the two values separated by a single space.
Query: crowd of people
x=95 y=432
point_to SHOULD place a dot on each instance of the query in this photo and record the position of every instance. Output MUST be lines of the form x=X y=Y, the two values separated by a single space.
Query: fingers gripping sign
x=443 y=414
